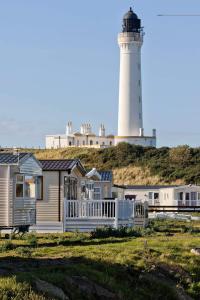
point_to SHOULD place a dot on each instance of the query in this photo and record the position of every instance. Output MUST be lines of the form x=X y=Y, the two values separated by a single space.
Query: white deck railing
x=101 y=212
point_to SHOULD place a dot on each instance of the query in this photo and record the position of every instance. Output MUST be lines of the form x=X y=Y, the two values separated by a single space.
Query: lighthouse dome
x=131 y=22
x=130 y=15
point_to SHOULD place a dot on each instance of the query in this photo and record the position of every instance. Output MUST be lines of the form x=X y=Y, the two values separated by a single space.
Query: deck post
x=65 y=203
x=116 y=213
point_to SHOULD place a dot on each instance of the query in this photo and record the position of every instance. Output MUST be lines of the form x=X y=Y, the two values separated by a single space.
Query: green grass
x=147 y=267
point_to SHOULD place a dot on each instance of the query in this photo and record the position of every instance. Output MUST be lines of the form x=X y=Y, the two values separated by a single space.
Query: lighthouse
x=130 y=117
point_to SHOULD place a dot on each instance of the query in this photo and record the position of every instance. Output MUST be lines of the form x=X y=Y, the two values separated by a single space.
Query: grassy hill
x=135 y=164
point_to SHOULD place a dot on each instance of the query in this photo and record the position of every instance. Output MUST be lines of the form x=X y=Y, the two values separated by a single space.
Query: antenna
x=16 y=152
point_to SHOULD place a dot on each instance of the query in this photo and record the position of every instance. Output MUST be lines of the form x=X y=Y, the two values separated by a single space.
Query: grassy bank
x=135 y=164
x=156 y=265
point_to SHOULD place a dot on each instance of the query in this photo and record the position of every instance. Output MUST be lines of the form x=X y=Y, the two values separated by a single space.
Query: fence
x=91 y=214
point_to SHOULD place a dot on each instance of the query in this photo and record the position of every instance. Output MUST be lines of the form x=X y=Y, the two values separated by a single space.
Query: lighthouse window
x=139 y=66
x=139 y=82
x=140 y=116
x=139 y=99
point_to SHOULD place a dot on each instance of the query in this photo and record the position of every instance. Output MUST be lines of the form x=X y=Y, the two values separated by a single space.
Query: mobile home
x=18 y=192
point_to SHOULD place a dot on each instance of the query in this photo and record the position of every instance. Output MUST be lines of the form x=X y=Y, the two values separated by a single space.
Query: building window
x=78 y=143
x=29 y=186
x=97 y=142
x=97 y=193
x=83 y=143
x=25 y=186
x=187 y=196
x=110 y=143
x=193 y=196
x=39 y=189
x=70 y=188
x=150 y=196
x=91 y=143
x=19 y=186
x=70 y=143
x=180 y=196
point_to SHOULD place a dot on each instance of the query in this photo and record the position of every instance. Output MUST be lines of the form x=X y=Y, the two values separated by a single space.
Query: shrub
x=32 y=240
x=24 y=251
x=106 y=232
x=61 y=240
x=8 y=245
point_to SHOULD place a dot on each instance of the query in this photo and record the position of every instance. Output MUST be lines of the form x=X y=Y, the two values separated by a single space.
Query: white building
x=130 y=117
x=83 y=138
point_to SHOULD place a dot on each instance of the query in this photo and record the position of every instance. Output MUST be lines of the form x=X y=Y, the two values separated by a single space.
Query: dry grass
x=132 y=175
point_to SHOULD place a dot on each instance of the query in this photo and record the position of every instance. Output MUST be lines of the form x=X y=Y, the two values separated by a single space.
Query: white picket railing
x=101 y=212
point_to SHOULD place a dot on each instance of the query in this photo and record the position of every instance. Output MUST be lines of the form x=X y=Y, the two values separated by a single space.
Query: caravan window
x=29 y=186
x=25 y=186
x=97 y=193
x=19 y=186
x=39 y=189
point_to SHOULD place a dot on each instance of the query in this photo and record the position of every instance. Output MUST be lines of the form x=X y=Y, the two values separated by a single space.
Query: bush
x=24 y=251
x=7 y=246
x=106 y=232
x=32 y=240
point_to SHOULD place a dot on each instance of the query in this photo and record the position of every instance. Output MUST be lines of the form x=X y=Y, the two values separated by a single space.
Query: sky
x=59 y=62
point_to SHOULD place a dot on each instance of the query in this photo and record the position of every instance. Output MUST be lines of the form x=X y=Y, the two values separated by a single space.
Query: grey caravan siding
x=30 y=166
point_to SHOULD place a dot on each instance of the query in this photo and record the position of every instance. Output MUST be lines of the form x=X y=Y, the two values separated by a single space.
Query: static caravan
x=98 y=185
x=61 y=180
x=18 y=192
x=186 y=195
x=66 y=180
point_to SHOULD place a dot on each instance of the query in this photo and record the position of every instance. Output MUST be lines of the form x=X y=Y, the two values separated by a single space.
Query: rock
x=50 y=289
x=195 y=251
x=90 y=288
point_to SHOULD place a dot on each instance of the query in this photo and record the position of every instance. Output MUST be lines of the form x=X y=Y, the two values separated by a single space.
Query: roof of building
x=11 y=158
x=145 y=187
x=94 y=174
x=61 y=165
x=106 y=175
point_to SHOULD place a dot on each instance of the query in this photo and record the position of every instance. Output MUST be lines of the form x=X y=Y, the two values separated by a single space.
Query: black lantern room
x=131 y=22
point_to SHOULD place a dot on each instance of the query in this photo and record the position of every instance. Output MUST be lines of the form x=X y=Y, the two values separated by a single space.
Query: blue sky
x=59 y=61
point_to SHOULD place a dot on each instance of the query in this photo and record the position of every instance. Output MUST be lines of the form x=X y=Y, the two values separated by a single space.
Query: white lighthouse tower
x=130 y=118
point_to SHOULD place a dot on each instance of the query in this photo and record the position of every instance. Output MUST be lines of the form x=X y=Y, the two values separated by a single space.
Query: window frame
x=22 y=182
x=42 y=188
x=19 y=182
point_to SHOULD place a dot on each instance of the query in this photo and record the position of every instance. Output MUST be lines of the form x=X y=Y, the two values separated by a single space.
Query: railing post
x=116 y=213
x=65 y=203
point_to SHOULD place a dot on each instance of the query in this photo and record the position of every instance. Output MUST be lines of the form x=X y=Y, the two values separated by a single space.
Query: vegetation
x=135 y=164
x=155 y=263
